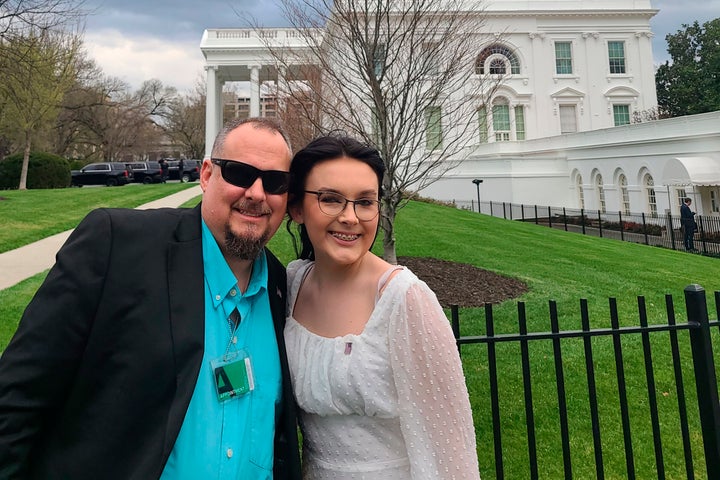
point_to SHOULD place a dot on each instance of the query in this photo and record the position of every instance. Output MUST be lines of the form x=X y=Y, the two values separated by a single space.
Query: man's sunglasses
x=275 y=182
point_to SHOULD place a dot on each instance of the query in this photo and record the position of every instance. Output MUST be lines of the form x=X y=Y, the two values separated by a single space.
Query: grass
x=557 y=266
x=30 y=215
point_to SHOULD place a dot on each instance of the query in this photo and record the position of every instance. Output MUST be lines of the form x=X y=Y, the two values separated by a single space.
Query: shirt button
x=233 y=292
x=229 y=453
x=217 y=297
x=234 y=339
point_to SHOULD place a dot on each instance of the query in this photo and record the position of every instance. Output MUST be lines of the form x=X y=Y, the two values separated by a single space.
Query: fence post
x=549 y=217
x=705 y=379
x=622 y=227
x=504 y=213
x=455 y=324
x=600 y=222
x=536 y=215
x=669 y=224
x=565 y=218
x=645 y=229
x=582 y=219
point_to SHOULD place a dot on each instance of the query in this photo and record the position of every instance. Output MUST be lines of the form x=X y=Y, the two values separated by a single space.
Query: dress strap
x=385 y=278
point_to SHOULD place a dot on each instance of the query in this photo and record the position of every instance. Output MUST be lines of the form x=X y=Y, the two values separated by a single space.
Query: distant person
x=154 y=348
x=164 y=170
x=687 y=221
x=181 y=169
x=372 y=356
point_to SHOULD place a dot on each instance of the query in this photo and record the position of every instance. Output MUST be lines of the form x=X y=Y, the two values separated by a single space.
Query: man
x=154 y=348
x=687 y=221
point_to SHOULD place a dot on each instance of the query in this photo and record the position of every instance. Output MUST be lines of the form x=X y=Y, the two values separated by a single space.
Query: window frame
x=618 y=63
x=565 y=60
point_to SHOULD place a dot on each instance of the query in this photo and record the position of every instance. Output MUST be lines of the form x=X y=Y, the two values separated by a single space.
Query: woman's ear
x=296 y=213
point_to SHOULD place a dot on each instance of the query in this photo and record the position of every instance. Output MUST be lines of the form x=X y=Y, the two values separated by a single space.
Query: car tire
x=111 y=182
x=185 y=178
x=147 y=180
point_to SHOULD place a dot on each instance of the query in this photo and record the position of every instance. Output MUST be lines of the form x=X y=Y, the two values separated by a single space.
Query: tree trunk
x=25 y=163
x=387 y=221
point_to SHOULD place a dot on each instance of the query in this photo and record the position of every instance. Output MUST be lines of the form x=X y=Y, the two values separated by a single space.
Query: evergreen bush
x=45 y=170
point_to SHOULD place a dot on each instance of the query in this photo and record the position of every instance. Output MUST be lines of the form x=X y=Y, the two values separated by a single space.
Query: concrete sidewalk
x=24 y=262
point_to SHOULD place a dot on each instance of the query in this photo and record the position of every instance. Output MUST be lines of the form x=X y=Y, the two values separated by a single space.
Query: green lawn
x=559 y=266
x=30 y=215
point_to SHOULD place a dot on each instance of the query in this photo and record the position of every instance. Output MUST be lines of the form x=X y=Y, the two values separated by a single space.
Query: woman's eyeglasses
x=333 y=204
x=275 y=182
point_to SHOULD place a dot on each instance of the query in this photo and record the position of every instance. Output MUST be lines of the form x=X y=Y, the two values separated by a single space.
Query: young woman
x=373 y=361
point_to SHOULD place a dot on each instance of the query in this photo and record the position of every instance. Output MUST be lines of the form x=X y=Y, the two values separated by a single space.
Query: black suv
x=146 y=172
x=104 y=173
x=190 y=173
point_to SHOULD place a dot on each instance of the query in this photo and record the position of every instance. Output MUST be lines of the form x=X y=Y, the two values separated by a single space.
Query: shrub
x=634 y=227
x=45 y=170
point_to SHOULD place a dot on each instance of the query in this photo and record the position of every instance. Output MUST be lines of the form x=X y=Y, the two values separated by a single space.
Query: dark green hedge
x=45 y=170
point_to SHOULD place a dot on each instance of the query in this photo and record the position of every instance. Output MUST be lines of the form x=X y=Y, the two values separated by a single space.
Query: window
x=601 y=192
x=563 y=58
x=714 y=206
x=519 y=123
x=616 y=56
x=580 y=193
x=501 y=120
x=483 y=124
x=568 y=119
x=379 y=59
x=624 y=194
x=681 y=196
x=650 y=189
x=433 y=128
x=621 y=115
x=497 y=66
x=501 y=50
x=430 y=58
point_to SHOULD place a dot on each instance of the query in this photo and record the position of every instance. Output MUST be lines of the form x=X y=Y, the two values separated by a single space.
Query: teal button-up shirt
x=233 y=439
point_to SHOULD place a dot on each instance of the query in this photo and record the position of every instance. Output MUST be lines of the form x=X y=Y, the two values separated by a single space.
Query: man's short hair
x=265 y=123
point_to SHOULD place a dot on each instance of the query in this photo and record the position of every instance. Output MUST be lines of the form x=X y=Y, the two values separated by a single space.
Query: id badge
x=233 y=375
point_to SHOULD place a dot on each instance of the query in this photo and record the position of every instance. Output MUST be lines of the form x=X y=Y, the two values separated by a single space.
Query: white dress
x=390 y=403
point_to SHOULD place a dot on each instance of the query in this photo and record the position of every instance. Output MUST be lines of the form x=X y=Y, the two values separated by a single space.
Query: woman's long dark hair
x=317 y=151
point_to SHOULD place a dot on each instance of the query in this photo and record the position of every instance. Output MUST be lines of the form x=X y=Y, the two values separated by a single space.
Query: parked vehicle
x=146 y=172
x=190 y=173
x=103 y=173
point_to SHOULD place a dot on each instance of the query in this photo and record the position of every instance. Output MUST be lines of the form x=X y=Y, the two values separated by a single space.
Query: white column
x=254 y=90
x=213 y=98
x=281 y=89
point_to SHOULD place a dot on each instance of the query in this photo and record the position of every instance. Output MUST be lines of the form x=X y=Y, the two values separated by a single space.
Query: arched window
x=624 y=195
x=498 y=65
x=580 y=193
x=649 y=184
x=600 y=192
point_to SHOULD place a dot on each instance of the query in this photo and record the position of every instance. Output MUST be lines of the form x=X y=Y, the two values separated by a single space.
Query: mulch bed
x=462 y=284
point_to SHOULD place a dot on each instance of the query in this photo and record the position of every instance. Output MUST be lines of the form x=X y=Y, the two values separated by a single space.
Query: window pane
x=616 y=55
x=621 y=115
x=568 y=120
x=482 y=124
x=433 y=128
x=501 y=118
x=519 y=123
x=379 y=59
x=563 y=58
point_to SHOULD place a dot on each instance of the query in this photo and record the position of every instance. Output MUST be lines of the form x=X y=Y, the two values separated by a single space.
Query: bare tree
x=184 y=121
x=38 y=15
x=400 y=75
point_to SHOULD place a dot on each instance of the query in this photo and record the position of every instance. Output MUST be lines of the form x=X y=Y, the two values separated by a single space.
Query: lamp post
x=477 y=183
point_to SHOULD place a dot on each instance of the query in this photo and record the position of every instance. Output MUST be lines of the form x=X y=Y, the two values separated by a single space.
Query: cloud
x=135 y=59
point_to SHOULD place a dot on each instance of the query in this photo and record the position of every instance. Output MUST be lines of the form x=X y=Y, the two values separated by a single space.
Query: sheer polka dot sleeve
x=434 y=407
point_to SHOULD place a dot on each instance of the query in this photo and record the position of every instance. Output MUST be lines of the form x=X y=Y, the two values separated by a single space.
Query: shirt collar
x=219 y=277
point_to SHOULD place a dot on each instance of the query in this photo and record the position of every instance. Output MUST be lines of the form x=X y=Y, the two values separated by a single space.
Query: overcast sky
x=141 y=39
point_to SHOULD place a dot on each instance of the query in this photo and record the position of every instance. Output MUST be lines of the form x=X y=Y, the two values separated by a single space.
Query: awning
x=698 y=171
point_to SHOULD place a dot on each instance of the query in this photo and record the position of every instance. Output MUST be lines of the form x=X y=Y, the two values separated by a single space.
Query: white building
x=573 y=69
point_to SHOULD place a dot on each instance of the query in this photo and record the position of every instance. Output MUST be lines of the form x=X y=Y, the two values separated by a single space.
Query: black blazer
x=99 y=375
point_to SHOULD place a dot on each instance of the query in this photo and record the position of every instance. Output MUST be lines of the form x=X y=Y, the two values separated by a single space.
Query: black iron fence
x=660 y=230
x=605 y=437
